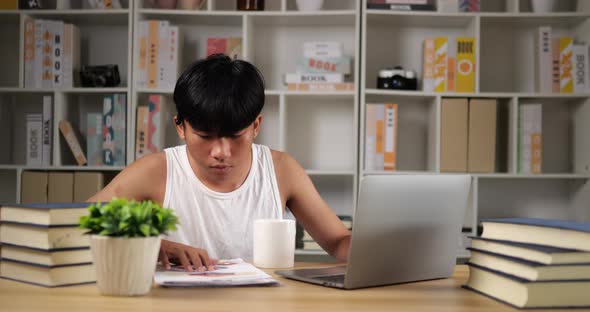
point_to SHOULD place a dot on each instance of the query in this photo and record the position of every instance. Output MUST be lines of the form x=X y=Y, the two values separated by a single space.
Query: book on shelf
x=94 y=139
x=157 y=116
x=9 y=5
x=114 y=125
x=34 y=137
x=481 y=141
x=428 y=65
x=465 y=64
x=447 y=6
x=522 y=293
x=401 y=7
x=141 y=130
x=51 y=257
x=555 y=233
x=530 y=138
x=158 y=62
x=469 y=5
x=454 y=135
x=60 y=187
x=566 y=65
x=48 y=276
x=581 y=68
x=231 y=46
x=52 y=214
x=43 y=237
x=47 y=130
x=86 y=184
x=531 y=252
x=72 y=140
x=34 y=186
x=543 y=59
x=321 y=87
x=555 y=77
x=314 y=78
x=441 y=51
x=342 y=65
x=381 y=137
x=323 y=49
x=529 y=270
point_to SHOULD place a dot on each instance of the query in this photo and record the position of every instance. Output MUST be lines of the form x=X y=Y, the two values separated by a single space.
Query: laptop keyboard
x=331 y=278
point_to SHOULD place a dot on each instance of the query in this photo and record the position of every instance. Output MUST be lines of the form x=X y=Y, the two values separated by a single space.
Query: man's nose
x=221 y=148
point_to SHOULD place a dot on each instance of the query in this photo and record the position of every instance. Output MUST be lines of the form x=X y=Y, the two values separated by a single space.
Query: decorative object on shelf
x=469 y=5
x=31 y=4
x=544 y=6
x=63 y=4
x=251 y=5
x=100 y=76
x=397 y=78
x=165 y=4
x=309 y=5
x=125 y=243
x=191 y=4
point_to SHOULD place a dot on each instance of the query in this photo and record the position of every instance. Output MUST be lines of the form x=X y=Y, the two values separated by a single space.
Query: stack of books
x=323 y=67
x=532 y=263
x=43 y=245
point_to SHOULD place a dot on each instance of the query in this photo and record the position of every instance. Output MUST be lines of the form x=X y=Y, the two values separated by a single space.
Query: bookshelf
x=504 y=32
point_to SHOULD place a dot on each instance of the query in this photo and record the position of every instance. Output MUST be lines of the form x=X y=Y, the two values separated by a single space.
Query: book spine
x=171 y=71
x=68 y=74
x=428 y=56
x=29 y=53
x=452 y=66
x=154 y=128
x=94 y=139
x=141 y=132
x=466 y=66
x=380 y=134
x=216 y=46
x=314 y=78
x=47 y=129
x=68 y=133
x=119 y=129
x=108 y=149
x=143 y=50
x=530 y=139
x=566 y=78
x=321 y=87
x=324 y=65
x=581 y=68
x=163 y=53
x=440 y=64
x=47 y=71
x=469 y=5
x=370 y=137
x=58 y=28
x=389 y=155
x=544 y=60
x=34 y=139
x=555 y=81
x=234 y=48
x=38 y=64
x=152 y=55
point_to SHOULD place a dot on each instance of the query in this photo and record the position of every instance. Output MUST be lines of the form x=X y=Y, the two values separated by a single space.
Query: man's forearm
x=340 y=251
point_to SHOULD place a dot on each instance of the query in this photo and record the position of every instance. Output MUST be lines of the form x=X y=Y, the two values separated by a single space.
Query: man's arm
x=145 y=179
x=310 y=209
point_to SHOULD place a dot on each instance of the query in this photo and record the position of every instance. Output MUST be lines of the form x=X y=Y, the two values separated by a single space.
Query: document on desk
x=229 y=273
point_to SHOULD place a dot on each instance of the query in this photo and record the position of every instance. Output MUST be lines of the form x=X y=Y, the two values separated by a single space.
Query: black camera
x=100 y=76
x=397 y=78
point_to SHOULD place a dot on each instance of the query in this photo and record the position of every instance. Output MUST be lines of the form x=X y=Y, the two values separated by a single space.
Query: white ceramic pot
x=124 y=266
x=310 y=5
x=544 y=6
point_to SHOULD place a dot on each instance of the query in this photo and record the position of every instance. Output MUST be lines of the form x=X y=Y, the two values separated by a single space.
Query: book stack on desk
x=308 y=242
x=532 y=263
x=43 y=245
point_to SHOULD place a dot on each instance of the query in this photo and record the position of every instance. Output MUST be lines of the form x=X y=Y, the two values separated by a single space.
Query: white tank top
x=220 y=223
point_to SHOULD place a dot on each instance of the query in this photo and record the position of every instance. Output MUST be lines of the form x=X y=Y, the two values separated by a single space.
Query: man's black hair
x=218 y=95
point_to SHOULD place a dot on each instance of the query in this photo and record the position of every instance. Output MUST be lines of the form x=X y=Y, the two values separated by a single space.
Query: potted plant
x=125 y=243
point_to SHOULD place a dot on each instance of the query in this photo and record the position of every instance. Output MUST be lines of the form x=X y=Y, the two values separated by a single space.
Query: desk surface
x=436 y=295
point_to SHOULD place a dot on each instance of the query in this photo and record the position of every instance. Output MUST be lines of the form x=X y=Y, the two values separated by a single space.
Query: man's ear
x=257 y=123
x=179 y=124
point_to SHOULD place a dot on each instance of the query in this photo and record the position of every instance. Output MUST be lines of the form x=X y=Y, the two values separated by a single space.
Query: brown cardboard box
x=61 y=187
x=34 y=187
x=453 y=137
x=481 y=155
x=87 y=184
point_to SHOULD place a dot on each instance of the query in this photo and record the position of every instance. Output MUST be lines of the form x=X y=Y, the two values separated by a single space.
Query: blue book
x=545 y=232
x=522 y=293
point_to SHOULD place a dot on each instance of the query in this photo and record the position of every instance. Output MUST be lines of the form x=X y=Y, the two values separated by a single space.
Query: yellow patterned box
x=465 y=76
x=440 y=63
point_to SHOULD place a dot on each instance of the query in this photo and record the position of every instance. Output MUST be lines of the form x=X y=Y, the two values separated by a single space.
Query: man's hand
x=186 y=256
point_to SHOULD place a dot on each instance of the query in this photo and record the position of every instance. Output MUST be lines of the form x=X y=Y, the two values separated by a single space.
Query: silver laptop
x=405 y=229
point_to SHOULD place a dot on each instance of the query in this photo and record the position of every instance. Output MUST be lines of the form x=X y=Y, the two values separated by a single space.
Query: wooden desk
x=437 y=295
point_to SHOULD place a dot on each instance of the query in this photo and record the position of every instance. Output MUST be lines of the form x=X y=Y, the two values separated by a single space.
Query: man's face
x=220 y=158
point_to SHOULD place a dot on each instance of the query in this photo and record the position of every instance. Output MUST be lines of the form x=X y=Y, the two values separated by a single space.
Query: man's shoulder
x=151 y=164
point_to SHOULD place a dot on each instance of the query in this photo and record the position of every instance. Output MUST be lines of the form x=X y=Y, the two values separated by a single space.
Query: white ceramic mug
x=274 y=243
x=310 y=5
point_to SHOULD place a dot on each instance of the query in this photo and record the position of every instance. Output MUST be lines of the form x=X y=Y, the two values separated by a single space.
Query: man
x=220 y=182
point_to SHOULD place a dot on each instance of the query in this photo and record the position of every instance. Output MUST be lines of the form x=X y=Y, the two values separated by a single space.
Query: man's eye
x=204 y=136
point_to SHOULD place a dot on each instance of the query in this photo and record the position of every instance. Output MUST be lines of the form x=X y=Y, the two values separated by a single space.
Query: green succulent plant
x=128 y=218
